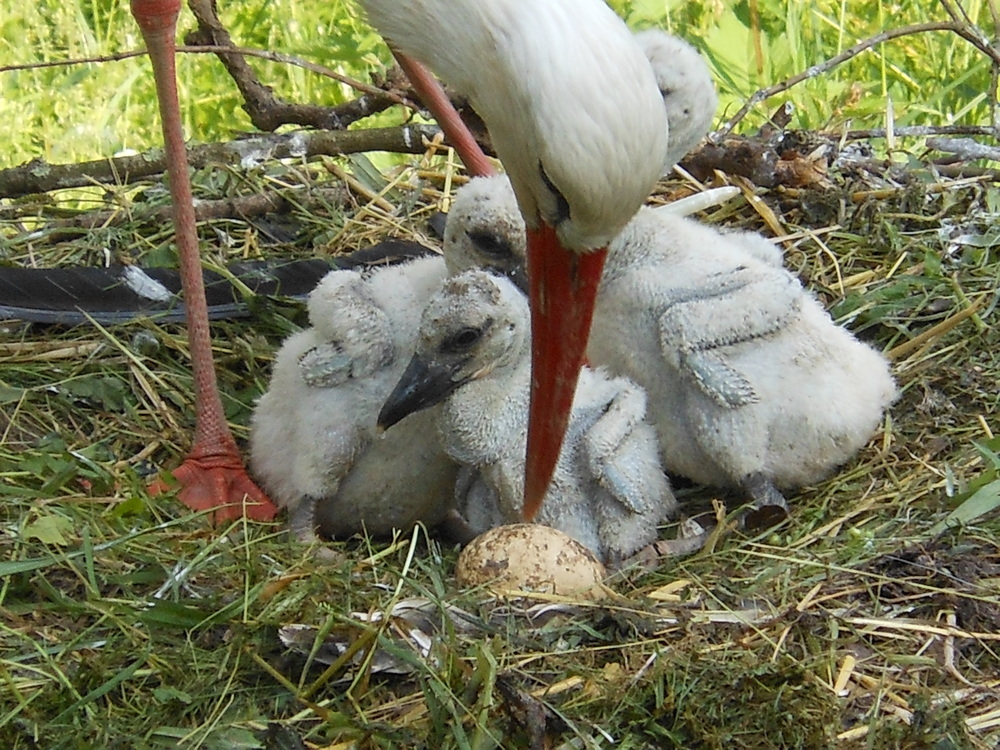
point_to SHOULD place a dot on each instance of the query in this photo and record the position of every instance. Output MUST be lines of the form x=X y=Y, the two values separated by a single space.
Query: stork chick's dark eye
x=490 y=244
x=465 y=339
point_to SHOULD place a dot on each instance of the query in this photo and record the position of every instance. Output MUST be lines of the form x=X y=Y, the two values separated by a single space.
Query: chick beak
x=422 y=385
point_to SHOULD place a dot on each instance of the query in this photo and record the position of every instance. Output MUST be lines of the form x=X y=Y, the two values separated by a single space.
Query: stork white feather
x=751 y=383
x=568 y=96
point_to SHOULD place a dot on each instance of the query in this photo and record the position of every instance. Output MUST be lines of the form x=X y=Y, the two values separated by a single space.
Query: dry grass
x=126 y=622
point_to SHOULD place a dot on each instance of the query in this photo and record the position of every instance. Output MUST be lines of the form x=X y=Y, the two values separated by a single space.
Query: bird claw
x=768 y=508
x=217 y=482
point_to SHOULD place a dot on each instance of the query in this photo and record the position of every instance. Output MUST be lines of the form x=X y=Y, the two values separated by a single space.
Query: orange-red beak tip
x=563 y=290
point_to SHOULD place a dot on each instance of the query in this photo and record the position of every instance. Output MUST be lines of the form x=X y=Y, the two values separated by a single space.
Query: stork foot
x=768 y=507
x=217 y=480
x=691 y=538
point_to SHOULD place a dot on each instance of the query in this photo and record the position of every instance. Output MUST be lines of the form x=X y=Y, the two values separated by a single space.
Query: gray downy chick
x=314 y=444
x=472 y=357
x=751 y=385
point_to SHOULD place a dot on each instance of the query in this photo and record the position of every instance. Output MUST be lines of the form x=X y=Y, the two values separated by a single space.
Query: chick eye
x=489 y=244
x=461 y=340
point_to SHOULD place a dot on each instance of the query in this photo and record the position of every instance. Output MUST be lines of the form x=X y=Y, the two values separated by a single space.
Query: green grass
x=67 y=114
x=126 y=622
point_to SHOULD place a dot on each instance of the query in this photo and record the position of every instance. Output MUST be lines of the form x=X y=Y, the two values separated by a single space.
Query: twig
x=117 y=57
x=936 y=331
x=256 y=204
x=373 y=99
x=267 y=111
x=966 y=148
x=37 y=176
x=959 y=15
x=957 y=12
x=211 y=49
x=917 y=131
x=971 y=35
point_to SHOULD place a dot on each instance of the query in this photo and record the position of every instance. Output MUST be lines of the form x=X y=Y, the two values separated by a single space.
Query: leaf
x=9 y=395
x=102 y=690
x=130 y=507
x=168 y=693
x=981 y=502
x=107 y=392
x=367 y=173
x=49 y=529
x=174 y=615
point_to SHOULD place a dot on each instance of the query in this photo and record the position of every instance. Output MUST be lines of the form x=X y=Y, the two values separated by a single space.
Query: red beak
x=563 y=291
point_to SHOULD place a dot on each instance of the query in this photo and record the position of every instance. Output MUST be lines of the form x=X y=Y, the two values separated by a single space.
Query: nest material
x=849 y=625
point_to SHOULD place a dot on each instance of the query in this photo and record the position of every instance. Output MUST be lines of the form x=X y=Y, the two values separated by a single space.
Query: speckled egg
x=531 y=558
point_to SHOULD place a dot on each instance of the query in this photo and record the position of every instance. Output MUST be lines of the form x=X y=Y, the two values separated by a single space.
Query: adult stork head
x=577 y=119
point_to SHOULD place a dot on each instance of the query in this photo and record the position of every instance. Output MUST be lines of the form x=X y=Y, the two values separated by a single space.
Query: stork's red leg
x=437 y=101
x=212 y=475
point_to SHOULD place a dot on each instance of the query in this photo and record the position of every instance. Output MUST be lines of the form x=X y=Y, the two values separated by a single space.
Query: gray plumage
x=313 y=437
x=750 y=383
x=609 y=491
x=313 y=442
x=748 y=375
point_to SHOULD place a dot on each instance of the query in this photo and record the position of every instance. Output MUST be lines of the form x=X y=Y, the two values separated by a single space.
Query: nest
x=863 y=620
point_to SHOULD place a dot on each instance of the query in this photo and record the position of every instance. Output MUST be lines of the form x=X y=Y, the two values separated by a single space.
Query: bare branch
x=965 y=148
x=211 y=49
x=37 y=176
x=239 y=207
x=267 y=111
x=917 y=131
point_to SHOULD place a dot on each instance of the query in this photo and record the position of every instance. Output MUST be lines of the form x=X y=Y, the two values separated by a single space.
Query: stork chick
x=473 y=354
x=687 y=89
x=313 y=441
x=750 y=383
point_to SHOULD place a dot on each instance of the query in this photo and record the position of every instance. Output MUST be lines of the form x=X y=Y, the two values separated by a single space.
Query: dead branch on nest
x=241 y=207
x=964 y=148
x=917 y=131
x=39 y=177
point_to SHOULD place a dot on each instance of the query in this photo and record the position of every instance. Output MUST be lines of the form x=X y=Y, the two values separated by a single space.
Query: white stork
x=577 y=119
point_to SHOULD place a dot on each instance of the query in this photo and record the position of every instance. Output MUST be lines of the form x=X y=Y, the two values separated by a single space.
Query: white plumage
x=570 y=101
x=750 y=383
x=608 y=492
